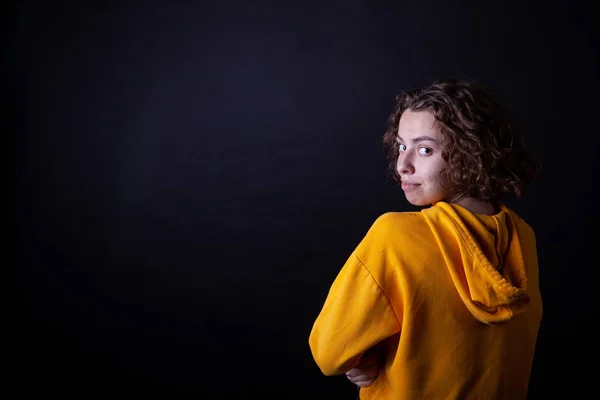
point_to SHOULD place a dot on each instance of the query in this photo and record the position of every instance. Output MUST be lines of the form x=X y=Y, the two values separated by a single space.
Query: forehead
x=414 y=123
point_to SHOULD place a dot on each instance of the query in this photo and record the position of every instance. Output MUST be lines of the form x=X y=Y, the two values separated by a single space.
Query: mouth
x=409 y=186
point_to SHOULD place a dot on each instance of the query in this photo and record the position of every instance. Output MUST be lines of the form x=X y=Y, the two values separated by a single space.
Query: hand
x=367 y=370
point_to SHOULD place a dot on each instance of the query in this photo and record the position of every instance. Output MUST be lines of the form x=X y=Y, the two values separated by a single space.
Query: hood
x=484 y=257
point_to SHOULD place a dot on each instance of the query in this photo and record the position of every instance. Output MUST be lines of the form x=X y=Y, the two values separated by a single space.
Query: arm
x=356 y=316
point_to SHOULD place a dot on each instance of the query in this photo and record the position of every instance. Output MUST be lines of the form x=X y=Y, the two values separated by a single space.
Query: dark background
x=190 y=178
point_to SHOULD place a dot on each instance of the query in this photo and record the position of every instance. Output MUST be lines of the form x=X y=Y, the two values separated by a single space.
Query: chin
x=424 y=201
x=418 y=203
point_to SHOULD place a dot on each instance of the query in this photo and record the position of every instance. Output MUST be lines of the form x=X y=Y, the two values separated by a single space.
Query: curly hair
x=484 y=149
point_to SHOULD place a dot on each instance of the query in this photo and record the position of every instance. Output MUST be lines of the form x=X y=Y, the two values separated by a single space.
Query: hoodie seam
x=498 y=244
x=389 y=304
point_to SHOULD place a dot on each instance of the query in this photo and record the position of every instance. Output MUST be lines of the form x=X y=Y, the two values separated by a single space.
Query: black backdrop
x=190 y=176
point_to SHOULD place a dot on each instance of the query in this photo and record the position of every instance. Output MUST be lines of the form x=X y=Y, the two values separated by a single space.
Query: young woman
x=443 y=303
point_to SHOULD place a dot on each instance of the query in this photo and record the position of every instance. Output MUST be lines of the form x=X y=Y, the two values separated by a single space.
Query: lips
x=409 y=185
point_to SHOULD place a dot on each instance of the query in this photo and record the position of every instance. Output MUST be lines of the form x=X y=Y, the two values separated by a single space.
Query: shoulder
x=396 y=221
x=392 y=228
x=395 y=242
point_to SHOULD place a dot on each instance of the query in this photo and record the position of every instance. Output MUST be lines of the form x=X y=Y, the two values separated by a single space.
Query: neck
x=474 y=205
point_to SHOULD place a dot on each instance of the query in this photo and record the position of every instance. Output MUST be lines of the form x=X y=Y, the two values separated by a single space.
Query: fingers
x=364 y=366
x=367 y=370
x=364 y=382
x=361 y=377
x=365 y=376
x=356 y=373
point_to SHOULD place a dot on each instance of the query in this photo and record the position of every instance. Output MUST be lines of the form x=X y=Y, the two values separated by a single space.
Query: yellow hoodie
x=452 y=297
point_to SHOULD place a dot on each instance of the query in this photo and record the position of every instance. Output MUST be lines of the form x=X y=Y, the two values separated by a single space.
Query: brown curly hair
x=484 y=149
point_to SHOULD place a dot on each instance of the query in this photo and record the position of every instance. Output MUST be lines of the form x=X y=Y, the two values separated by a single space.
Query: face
x=420 y=158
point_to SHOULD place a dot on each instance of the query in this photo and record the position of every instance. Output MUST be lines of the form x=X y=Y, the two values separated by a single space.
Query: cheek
x=434 y=174
x=433 y=179
x=444 y=181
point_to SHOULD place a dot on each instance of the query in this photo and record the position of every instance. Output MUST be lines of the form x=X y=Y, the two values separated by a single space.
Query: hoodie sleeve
x=356 y=316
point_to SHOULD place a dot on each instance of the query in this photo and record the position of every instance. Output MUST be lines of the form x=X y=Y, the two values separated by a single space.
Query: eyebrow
x=418 y=139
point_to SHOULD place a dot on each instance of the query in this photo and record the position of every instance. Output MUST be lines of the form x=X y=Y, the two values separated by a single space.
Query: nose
x=404 y=165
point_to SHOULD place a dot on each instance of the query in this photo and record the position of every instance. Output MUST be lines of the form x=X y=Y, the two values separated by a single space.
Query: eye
x=401 y=147
x=425 y=151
